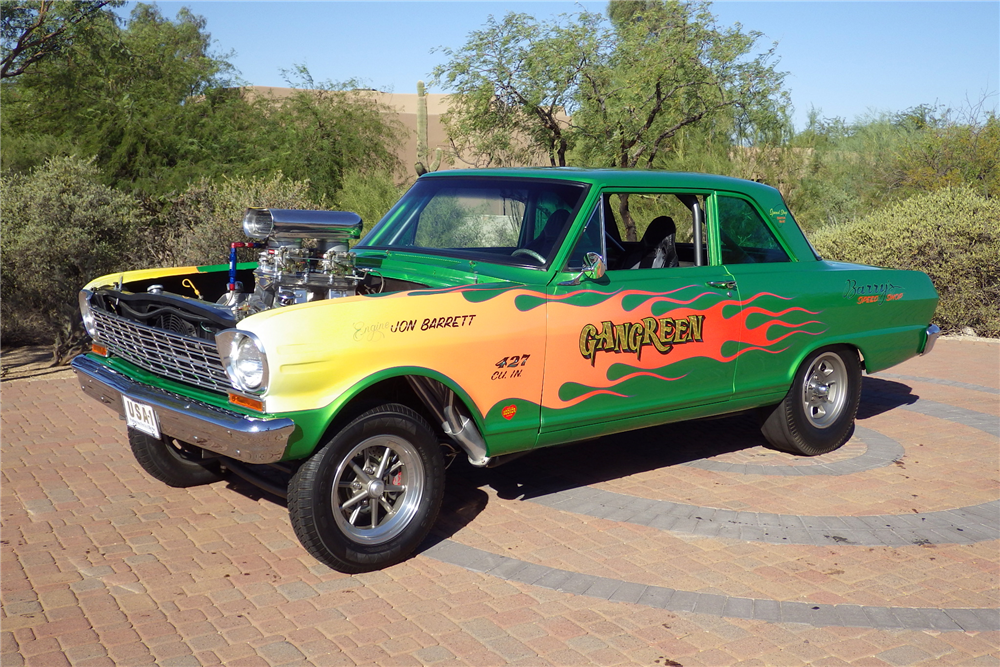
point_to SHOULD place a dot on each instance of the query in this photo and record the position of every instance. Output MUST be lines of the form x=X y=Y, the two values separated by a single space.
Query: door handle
x=722 y=284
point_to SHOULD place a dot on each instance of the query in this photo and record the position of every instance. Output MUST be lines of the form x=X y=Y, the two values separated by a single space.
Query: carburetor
x=304 y=257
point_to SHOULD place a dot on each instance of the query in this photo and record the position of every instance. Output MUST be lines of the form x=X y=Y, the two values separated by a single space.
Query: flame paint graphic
x=469 y=333
x=726 y=335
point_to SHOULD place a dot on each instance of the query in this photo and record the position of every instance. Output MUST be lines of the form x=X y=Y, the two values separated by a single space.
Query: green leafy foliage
x=147 y=100
x=666 y=66
x=952 y=234
x=952 y=154
x=31 y=32
x=197 y=226
x=159 y=110
x=61 y=228
x=844 y=171
x=369 y=194
x=323 y=131
x=585 y=91
x=515 y=82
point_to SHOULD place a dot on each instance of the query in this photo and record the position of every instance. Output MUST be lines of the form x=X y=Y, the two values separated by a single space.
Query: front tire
x=369 y=497
x=817 y=415
x=171 y=461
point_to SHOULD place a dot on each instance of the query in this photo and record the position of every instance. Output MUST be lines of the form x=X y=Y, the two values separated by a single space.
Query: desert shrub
x=197 y=226
x=370 y=195
x=952 y=234
x=61 y=228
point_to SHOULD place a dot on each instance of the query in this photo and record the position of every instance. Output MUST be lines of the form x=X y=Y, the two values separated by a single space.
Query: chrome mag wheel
x=824 y=390
x=377 y=489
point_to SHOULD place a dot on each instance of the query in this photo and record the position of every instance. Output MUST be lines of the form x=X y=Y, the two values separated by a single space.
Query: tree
x=159 y=110
x=34 y=31
x=668 y=66
x=516 y=81
x=612 y=92
x=323 y=131
x=148 y=100
x=852 y=169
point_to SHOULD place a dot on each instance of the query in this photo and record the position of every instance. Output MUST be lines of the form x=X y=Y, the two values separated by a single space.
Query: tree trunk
x=627 y=220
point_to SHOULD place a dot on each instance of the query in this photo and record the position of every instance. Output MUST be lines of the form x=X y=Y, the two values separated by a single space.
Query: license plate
x=141 y=417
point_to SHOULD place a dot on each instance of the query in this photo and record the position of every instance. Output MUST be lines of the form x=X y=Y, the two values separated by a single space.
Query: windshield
x=505 y=220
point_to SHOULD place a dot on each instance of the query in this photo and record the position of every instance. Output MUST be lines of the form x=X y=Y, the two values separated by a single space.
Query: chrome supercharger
x=303 y=257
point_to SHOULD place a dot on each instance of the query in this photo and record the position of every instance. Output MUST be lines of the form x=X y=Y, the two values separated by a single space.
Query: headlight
x=89 y=323
x=244 y=360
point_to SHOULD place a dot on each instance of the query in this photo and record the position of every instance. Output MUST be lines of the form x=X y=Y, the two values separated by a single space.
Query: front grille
x=178 y=357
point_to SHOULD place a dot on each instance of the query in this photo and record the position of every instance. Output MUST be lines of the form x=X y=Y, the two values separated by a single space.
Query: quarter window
x=745 y=237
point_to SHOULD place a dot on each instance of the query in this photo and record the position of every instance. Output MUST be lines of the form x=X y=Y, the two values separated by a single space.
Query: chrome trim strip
x=933 y=333
x=228 y=433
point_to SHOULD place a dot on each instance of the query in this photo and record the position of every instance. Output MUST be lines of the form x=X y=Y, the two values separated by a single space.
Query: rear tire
x=368 y=498
x=171 y=461
x=817 y=415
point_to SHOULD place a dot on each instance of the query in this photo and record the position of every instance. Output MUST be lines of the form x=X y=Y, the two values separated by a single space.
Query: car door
x=649 y=337
x=782 y=301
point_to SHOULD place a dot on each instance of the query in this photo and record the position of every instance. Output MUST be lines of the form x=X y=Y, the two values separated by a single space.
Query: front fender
x=323 y=354
x=316 y=423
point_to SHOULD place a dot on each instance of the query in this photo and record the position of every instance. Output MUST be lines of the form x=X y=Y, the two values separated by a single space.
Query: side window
x=745 y=237
x=663 y=225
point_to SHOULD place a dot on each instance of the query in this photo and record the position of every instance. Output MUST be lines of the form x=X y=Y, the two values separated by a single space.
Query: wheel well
x=391 y=390
x=857 y=351
x=827 y=345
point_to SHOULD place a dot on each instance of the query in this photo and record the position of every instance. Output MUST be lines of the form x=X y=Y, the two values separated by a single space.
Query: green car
x=490 y=312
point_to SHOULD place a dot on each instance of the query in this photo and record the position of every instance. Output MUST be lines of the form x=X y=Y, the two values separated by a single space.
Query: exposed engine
x=304 y=257
x=168 y=324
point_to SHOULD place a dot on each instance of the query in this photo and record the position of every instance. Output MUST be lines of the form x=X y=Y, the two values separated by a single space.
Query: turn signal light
x=99 y=349
x=246 y=402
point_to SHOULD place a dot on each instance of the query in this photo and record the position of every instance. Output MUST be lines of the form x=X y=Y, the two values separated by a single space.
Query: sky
x=845 y=59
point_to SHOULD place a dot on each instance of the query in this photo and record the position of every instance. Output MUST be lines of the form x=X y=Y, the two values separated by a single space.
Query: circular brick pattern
x=880 y=451
x=104 y=565
x=966 y=525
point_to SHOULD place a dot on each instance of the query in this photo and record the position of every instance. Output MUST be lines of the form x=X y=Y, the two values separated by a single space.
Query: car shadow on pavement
x=463 y=501
x=621 y=455
x=879 y=396
x=275 y=478
x=555 y=469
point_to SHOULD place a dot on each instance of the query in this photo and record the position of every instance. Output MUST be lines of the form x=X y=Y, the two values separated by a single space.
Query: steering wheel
x=530 y=253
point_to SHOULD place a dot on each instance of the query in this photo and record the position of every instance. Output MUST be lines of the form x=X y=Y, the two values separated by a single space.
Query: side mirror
x=594 y=268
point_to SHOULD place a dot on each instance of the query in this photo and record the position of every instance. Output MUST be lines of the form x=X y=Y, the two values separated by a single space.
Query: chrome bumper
x=228 y=433
x=933 y=332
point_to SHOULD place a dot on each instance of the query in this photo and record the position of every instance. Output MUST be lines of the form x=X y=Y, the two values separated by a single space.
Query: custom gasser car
x=488 y=313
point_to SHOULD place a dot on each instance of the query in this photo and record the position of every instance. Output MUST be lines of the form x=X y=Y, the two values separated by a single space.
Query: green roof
x=625 y=178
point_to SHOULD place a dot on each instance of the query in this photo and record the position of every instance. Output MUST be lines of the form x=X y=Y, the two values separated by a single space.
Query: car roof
x=613 y=178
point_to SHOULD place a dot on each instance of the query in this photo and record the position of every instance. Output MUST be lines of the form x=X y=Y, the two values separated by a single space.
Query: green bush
x=196 y=227
x=369 y=195
x=61 y=227
x=951 y=234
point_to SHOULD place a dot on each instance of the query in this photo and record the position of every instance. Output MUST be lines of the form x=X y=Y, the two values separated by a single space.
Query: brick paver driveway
x=689 y=544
